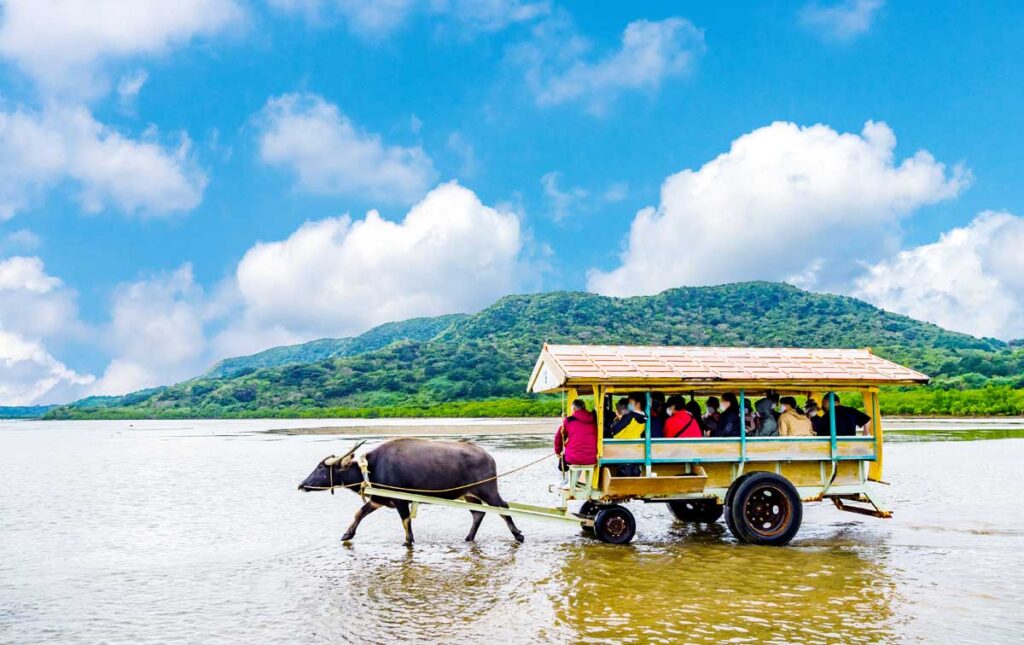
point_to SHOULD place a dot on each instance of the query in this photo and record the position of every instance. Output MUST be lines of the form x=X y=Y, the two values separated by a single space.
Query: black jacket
x=728 y=424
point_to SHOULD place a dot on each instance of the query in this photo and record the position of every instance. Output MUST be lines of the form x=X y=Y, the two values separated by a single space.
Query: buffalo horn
x=333 y=461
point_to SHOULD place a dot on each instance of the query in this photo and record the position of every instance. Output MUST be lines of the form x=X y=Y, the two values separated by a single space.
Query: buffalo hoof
x=407 y=543
x=347 y=537
x=520 y=538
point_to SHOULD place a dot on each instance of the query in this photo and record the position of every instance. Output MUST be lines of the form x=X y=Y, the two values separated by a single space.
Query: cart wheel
x=615 y=525
x=706 y=511
x=766 y=510
x=589 y=509
x=729 y=495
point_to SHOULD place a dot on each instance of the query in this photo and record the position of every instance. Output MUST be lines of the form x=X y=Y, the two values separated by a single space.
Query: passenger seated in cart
x=793 y=422
x=765 y=424
x=576 y=439
x=711 y=416
x=657 y=415
x=818 y=423
x=694 y=409
x=847 y=419
x=621 y=408
x=632 y=424
x=680 y=424
x=728 y=417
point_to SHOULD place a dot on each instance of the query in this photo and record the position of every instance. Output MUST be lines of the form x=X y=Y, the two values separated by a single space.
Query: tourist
x=694 y=409
x=657 y=415
x=632 y=424
x=765 y=426
x=576 y=439
x=847 y=419
x=710 y=418
x=792 y=422
x=818 y=423
x=728 y=417
x=680 y=424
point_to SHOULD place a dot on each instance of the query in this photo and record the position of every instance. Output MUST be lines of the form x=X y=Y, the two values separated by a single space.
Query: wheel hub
x=616 y=526
x=767 y=511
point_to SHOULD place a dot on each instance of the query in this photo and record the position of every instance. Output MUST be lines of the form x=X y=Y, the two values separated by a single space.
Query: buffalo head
x=334 y=471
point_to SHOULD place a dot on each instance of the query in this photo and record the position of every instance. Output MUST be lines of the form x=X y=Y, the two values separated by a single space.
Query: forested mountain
x=325 y=348
x=489 y=355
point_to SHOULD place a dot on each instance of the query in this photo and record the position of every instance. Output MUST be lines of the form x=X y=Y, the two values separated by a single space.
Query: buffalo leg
x=478 y=516
x=365 y=510
x=494 y=499
x=516 y=533
x=403 y=512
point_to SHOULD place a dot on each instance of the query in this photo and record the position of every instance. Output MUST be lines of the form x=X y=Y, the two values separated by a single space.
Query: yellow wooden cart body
x=836 y=467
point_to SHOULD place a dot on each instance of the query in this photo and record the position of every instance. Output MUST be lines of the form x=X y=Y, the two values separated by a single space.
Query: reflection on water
x=194 y=532
x=703 y=590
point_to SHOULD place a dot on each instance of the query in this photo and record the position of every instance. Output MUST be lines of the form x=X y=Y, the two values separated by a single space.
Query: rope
x=361 y=485
x=448 y=490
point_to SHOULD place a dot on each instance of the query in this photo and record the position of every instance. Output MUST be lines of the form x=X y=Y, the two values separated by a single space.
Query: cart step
x=873 y=510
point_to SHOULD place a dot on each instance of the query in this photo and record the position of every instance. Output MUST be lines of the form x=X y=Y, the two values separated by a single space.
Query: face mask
x=782 y=409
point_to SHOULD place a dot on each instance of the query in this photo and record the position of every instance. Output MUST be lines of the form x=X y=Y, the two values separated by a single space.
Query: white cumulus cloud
x=841 y=21
x=29 y=375
x=39 y=149
x=34 y=303
x=156 y=334
x=330 y=155
x=378 y=18
x=970 y=280
x=339 y=276
x=34 y=308
x=805 y=204
x=559 y=70
x=64 y=44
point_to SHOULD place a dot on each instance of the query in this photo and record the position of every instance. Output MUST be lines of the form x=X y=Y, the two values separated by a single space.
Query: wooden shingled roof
x=561 y=366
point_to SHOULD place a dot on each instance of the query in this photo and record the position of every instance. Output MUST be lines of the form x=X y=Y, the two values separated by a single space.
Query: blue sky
x=174 y=177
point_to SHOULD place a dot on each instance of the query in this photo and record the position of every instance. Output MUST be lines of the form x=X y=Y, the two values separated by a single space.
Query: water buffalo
x=415 y=464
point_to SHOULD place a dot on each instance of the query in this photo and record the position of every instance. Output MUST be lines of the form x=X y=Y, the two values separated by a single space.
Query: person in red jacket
x=576 y=439
x=680 y=424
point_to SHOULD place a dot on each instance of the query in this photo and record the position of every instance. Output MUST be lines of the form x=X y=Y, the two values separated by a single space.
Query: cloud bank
x=970 y=280
x=807 y=205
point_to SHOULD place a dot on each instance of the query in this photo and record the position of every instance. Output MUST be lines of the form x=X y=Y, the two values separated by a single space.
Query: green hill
x=326 y=348
x=486 y=357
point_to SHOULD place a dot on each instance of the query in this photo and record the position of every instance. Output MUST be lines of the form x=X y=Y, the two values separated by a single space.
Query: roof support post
x=742 y=426
x=647 y=438
x=875 y=468
x=832 y=424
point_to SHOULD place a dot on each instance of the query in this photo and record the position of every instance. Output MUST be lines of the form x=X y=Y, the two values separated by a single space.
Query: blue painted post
x=743 y=426
x=832 y=422
x=647 y=439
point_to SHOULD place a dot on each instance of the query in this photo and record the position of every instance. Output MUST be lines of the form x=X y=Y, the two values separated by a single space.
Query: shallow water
x=194 y=532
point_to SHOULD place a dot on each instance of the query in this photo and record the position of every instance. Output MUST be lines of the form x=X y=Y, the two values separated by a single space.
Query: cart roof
x=563 y=366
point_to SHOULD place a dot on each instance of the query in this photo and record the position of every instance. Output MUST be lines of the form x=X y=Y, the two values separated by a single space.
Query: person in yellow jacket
x=793 y=423
x=632 y=424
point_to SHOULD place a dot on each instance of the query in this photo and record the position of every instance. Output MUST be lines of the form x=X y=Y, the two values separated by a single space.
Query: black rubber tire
x=765 y=509
x=704 y=511
x=589 y=509
x=615 y=525
x=728 y=504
